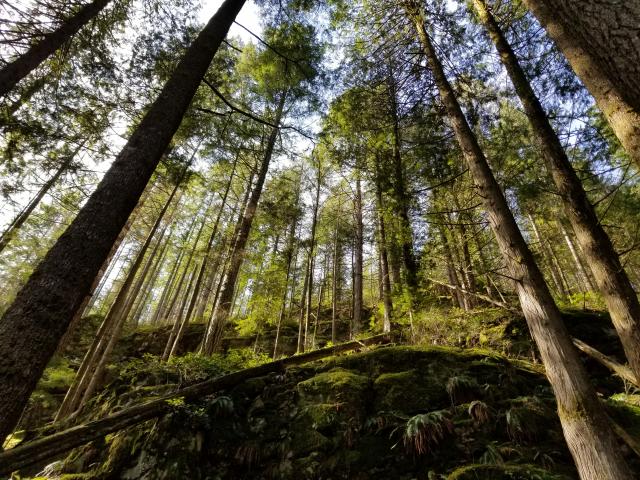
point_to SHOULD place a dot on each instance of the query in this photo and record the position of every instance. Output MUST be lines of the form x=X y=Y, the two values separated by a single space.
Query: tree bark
x=312 y=257
x=384 y=259
x=88 y=372
x=19 y=68
x=15 y=225
x=555 y=275
x=357 y=260
x=216 y=326
x=601 y=41
x=400 y=191
x=176 y=295
x=37 y=319
x=610 y=276
x=334 y=283
x=589 y=435
x=582 y=273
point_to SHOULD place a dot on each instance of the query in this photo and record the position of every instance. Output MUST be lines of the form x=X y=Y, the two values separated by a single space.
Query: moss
x=337 y=385
x=392 y=392
x=625 y=413
x=503 y=472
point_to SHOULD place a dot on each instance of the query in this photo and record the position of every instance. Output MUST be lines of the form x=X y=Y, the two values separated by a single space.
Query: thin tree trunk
x=33 y=325
x=303 y=304
x=312 y=256
x=89 y=370
x=384 y=260
x=187 y=271
x=555 y=276
x=291 y=245
x=215 y=328
x=582 y=273
x=17 y=223
x=610 y=276
x=406 y=232
x=587 y=430
x=334 y=286
x=19 y=68
x=357 y=260
x=574 y=25
x=456 y=295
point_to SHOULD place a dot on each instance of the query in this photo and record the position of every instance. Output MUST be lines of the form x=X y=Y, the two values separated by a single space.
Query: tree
x=610 y=276
x=586 y=427
x=599 y=39
x=39 y=316
x=19 y=68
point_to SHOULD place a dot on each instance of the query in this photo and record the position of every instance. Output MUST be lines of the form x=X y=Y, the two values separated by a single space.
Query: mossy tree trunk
x=39 y=316
x=589 y=435
x=610 y=276
x=601 y=41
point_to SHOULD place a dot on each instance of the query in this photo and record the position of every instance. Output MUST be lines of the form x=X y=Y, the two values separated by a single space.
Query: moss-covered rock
x=503 y=472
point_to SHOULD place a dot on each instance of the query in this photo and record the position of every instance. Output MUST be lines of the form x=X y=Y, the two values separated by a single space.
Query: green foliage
x=424 y=432
x=526 y=420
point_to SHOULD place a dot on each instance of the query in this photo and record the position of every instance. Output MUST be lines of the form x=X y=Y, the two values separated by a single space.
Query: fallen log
x=477 y=295
x=617 y=368
x=53 y=445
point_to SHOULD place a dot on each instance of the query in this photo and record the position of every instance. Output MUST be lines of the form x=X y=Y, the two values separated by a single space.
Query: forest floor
x=467 y=401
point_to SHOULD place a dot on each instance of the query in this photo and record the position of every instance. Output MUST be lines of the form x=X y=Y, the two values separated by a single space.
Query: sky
x=249 y=17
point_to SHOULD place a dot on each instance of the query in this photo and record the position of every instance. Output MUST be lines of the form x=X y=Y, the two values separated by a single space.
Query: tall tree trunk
x=88 y=372
x=203 y=264
x=289 y=249
x=312 y=256
x=17 y=223
x=384 y=259
x=334 y=283
x=456 y=294
x=176 y=295
x=587 y=430
x=582 y=272
x=152 y=277
x=303 y=304
x=37 y=319
x=610 y=276
x=357 y=259
x=402 y=197
x=19 y=68
x=600 y=40
x=213 y=335
x=555 y=275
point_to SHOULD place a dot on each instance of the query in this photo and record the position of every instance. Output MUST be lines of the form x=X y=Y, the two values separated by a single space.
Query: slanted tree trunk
x=17 y=222
x=600 y=40
x=216 y=326
x=203 y=265
x=555 y=275
x=587 y=430
x=89 y=371
x=582 y=272
x=34 y=323
x=357 y=259
x=610 y=276
x=19 y=68
x=188 y=271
